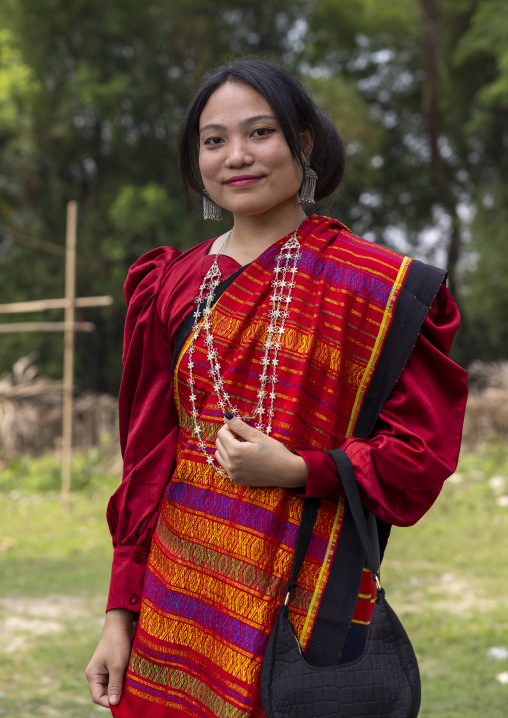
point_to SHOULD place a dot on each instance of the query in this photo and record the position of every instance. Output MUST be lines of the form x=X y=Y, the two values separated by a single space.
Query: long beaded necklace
x=286 y=267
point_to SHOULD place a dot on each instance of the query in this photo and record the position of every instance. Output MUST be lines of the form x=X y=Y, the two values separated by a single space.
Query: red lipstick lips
x=242 y=180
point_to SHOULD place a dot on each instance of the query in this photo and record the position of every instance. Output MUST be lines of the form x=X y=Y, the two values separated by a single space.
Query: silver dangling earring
x=308 y=188
x=211 y=210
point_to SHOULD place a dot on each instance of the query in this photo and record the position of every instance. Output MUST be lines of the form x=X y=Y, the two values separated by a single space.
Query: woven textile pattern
x=221 y=554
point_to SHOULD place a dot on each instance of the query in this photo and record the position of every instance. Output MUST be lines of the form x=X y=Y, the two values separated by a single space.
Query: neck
x=253 y=234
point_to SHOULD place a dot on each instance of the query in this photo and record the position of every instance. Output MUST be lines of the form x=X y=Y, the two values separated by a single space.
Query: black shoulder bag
x=384 y=682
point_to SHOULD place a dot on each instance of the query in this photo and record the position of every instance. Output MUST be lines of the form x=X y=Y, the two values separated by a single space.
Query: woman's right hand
x=107 y=666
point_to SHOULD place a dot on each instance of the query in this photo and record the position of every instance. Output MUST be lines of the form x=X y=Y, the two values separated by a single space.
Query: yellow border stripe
x=383 y=328
x=323 y=575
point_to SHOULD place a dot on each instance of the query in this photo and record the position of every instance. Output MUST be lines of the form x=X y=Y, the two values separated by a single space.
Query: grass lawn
x=445 y=577
x=54 y=572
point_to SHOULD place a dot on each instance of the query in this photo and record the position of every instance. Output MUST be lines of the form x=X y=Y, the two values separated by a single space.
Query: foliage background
x=91 y=97
x=92 y=93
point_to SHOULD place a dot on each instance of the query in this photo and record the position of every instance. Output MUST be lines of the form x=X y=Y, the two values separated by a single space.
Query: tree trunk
x=430 y=108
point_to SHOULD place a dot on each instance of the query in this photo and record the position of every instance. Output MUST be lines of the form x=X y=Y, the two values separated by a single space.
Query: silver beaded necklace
x=286 y=267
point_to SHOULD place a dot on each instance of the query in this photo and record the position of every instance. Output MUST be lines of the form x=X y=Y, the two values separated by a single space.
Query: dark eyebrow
x=248 y=121
x=257 y=118
x=211 y=127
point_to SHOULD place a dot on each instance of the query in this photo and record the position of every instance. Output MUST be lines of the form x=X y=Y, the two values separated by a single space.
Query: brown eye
x=213 y=141
x=263 y=131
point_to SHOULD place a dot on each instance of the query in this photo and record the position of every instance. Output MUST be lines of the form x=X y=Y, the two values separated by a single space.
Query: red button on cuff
x=137 y=556
x=133 y=599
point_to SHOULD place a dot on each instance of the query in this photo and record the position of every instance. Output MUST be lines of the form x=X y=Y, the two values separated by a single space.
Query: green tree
x=484 y=45
x=105 y=87
x=430 y=75
x=92 y=94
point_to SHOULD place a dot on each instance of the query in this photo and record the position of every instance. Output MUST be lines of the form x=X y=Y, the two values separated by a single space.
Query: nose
x=238 y=154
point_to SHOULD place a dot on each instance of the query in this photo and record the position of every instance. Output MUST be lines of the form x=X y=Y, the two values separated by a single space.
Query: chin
x=248 y=209
x=252 y=208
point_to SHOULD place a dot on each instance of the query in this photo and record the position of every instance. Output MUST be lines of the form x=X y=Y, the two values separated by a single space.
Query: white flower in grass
x=496 y=483
x=498 y=653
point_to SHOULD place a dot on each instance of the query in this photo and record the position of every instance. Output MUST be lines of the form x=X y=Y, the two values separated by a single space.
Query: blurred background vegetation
x=92 y=94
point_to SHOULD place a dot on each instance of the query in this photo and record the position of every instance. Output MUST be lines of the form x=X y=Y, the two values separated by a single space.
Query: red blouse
x=400 y=469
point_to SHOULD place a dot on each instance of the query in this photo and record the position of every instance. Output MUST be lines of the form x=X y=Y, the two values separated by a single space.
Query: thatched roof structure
x=487 y=406
x=31 y=414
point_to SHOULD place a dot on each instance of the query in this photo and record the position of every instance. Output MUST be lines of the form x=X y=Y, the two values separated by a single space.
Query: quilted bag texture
x=384 y=682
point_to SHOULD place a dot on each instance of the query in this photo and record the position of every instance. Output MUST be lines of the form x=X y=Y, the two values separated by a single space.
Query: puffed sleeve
x=415 y=443
x=148 y=429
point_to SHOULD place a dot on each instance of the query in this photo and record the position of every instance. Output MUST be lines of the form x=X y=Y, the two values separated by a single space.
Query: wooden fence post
x=68 y=377
x=68 y=326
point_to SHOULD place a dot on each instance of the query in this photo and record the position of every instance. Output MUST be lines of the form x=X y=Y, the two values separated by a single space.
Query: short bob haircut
x=295 y=112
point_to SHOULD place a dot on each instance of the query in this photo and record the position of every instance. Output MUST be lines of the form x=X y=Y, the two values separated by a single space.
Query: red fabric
x=400 y=469
x=148 y=426
x=416 y=441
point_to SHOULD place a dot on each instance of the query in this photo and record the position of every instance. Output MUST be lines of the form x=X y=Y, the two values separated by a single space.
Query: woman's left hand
x=252 y=458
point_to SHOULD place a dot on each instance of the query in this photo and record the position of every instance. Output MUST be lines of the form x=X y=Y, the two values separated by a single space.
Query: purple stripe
x=243 y=514
x=177 y=604
x=360 y=282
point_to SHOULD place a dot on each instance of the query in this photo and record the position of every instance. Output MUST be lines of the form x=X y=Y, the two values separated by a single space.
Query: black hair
x=295 y=112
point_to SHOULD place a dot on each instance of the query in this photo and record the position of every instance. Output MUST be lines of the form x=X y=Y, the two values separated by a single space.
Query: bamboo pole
x=45 y=327
x=70 y=295
x=41 y=305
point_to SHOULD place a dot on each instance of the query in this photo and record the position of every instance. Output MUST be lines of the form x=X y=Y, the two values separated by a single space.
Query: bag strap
x=366 y=526
x=366 y=531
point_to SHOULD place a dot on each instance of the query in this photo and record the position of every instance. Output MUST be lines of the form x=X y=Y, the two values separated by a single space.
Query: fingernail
x=113 y=700
x=229 y=415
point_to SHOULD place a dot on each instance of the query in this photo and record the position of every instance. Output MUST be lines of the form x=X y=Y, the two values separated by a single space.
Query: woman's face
x=244 y=159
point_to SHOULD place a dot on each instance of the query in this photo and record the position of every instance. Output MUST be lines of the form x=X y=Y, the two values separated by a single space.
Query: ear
x=308 y=143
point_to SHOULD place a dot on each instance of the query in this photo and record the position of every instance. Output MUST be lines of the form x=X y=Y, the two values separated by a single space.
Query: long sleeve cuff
x=127 y=574
x=322 y=478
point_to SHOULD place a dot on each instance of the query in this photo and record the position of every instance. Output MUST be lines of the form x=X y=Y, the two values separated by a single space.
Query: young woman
x=246 y=359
